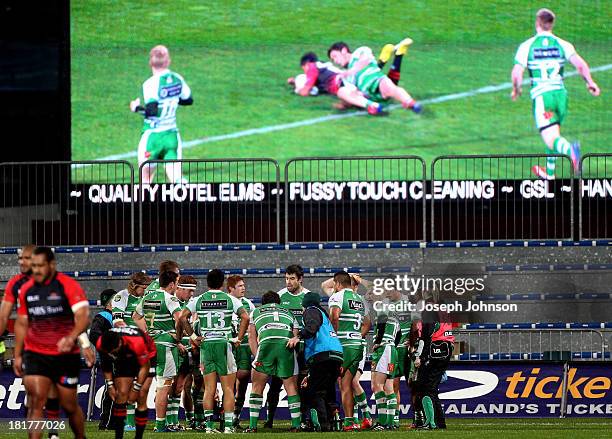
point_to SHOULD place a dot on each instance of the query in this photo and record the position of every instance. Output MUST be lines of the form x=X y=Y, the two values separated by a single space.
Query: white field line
x=301 y=123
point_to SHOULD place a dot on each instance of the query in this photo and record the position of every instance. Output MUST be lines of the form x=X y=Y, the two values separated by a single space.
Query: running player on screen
x=163 y=93
x=544 y=55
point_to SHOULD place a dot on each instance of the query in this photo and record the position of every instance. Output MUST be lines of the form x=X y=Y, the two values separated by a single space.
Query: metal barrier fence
x=498 y=197
x=65 y=203
x=209 y=201
x=354 y=199
x=361 y=199
x=522 y=344
x=595 y=193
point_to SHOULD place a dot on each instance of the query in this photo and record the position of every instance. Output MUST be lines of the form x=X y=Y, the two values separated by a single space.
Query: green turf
x=237 y=55
x=457 y=428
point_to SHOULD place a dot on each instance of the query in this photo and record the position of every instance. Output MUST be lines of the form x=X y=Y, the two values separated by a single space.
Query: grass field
x=458 y=428
x=237 y=55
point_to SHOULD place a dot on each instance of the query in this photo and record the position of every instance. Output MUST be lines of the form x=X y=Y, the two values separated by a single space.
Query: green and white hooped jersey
x=392 y=325
x=544 y=55
x=165 y=88
x=293 y=302
x=215 y=310
x=273 y=322
x=154 y=285
x=158 y=308
x=405 y=320
x=249 y=307
x=369 y=74
x=124 y=304
x=352 y=312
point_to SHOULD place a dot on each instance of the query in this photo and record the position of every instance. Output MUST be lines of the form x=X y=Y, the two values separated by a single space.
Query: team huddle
x=187 y=342
x=161 y=331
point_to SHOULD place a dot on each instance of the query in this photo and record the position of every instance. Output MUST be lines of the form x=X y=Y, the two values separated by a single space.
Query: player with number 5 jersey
x=347 y=313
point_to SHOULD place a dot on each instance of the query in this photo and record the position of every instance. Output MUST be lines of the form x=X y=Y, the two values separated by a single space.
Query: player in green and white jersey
x=402 y=369
x=384 y=362
x=364 y=73
x=273 y=336
x=359 y=394
x=291 y=298
x=237 y=288
x=347 y=316
x=163 y=93
x=214 y=310
x=124 y=303
x=186 y=286
x=158 y=314
x=167 y=265
x=544 y=55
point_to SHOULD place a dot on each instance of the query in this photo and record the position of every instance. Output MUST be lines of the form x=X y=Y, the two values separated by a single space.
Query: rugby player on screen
x=324 y=78
x=364 y=73
x=544 y=55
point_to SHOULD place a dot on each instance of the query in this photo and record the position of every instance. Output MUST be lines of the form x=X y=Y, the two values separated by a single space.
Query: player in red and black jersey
x=324 y=76
x=11 y=292
x=11 y=297
x=128 y=362
x=53 y=311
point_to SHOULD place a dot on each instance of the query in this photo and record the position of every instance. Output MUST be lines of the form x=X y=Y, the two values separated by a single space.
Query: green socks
x=391 y=405
x=428 y=408
x=160 y=424
x=208 y=418
x=172 y=411
x=255 y=403
x=362 y=403
x=294 y=410
x=129 y=419
x=381 y=407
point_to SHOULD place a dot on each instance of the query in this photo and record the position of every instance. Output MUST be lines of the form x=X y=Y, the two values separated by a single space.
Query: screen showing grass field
x=234 y=59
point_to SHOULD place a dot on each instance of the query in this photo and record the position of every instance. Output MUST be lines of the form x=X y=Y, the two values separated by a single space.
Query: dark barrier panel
x=596 y=197
x=50 y=203
x=354 y=199
x=500 y=197
x=209 y=201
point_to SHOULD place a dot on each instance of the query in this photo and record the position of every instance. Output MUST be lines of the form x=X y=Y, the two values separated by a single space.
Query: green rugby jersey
x=544 y=55
x=215 y=310
x=185 y=340
x=165 y=88
x=154 y=285
x=405 y=321
x=352 y=313
x=158 y=308
x=124 y=305
x=273 y=322
x=293 y=302
x=392 y=325
x=364 y=78
x=249 y=307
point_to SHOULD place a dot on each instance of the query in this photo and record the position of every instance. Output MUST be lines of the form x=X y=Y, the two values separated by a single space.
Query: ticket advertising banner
x=472 y=390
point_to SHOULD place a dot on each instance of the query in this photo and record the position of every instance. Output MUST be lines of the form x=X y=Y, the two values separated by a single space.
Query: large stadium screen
x=236 y=58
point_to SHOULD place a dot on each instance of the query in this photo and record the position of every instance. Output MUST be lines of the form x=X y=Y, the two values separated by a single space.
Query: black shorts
x=125 y=368
x=60 y=369
x=128 y=368
x=187 y=364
